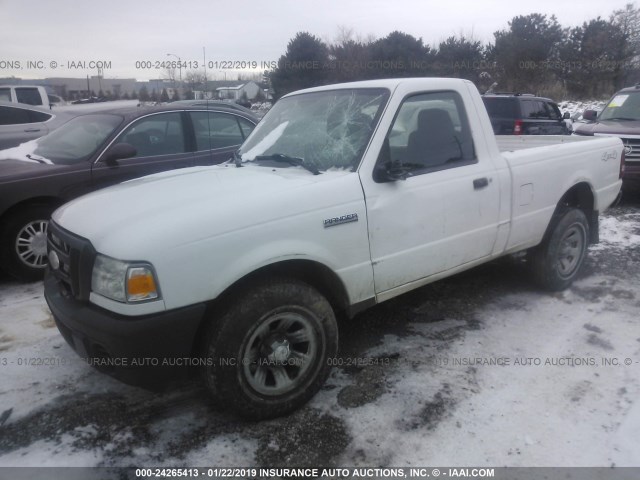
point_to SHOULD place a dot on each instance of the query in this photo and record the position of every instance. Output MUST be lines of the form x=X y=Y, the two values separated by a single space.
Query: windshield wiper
x=36 y=158
x=237 y=159
x=295 y=161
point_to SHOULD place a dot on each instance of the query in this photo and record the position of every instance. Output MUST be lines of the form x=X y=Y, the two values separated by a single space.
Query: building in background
x=243 y=91
x=123 y=88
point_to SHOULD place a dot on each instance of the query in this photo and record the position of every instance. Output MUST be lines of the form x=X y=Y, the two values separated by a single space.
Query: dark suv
x=620 y=118
x=524 y=114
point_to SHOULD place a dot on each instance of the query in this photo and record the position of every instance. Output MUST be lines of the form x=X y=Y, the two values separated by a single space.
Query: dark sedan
x=96 y=150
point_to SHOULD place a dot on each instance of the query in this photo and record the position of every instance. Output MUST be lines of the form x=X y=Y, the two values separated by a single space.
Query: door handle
x=479 y=183
x=32 y=130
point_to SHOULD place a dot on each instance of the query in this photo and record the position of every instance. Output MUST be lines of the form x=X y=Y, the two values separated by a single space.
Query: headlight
x=123 y=281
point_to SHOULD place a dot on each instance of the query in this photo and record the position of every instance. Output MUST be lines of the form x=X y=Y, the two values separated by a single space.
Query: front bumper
x=146 y=350
x=631 y=173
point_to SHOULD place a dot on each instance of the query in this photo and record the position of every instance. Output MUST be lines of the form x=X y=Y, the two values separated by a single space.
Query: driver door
x=439 y=207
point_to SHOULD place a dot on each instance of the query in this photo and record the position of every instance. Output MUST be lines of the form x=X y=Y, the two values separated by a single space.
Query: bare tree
x=627 y=46
x=194 y=79
x=170 y=74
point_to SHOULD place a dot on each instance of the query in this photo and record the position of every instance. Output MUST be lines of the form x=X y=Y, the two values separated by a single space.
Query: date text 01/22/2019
x=366 y=472
x=211 y=64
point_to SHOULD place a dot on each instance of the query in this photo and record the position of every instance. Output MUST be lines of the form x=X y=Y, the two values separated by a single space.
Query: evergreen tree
x=400 y=55
x=303 y=65
x=461 y=58
x=523 y=52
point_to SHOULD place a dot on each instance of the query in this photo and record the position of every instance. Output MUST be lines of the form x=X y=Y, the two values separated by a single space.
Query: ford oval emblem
x=54 y=261
x=628 y=149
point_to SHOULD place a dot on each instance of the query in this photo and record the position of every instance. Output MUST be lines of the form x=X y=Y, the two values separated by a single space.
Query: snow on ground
x=575 y=108
x=619 y=231
x=480 y=370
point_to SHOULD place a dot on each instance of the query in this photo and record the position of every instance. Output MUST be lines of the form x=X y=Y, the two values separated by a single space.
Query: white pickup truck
x=344 y=196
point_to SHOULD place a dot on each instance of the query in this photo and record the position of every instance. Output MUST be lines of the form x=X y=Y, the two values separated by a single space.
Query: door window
x=27 y=95
x=13 y=116
x=554 y=111
x=35 y=116
x=431 y=132
x=159 y=134
x=216 y=130
x=534 y=109
x=5 y=95
x=246 y=126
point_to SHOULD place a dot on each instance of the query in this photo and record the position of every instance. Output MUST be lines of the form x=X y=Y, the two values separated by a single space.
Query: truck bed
x=543 y=164
x=511 y=143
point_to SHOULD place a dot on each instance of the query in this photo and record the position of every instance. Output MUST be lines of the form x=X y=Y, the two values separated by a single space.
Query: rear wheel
x=24 y=243
x=557 y=261
x=269 y=353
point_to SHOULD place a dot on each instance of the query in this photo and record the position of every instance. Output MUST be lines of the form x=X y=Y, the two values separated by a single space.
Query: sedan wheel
x=31 y=244
x=23 y=242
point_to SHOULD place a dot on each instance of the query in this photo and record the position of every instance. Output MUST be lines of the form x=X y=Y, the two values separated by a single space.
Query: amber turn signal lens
x=141 y=284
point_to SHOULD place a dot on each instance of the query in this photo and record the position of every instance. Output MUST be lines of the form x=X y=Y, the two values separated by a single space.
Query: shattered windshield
x=326 y=130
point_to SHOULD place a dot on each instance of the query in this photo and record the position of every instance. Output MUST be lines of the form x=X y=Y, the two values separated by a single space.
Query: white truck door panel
x=445 y=214
x=430 y=223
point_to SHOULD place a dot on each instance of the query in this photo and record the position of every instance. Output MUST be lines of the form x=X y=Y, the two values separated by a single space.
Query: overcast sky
x=70 y=34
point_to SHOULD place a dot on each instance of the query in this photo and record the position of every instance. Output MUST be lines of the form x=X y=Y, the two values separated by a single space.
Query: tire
x=556 y=262
x=23 y=239
x=270 y=352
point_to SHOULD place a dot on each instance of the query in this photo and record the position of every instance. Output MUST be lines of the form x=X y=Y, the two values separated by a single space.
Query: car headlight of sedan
x=126 y=282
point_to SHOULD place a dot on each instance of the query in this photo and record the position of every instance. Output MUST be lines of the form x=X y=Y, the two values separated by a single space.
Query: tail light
x=517 y=127
x=622 y=160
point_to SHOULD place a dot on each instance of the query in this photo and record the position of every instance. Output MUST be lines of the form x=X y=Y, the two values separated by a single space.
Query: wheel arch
x=42 y=201
x=581 y=196
x=314 y=273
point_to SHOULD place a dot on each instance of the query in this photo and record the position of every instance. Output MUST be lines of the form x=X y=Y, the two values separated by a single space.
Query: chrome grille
x=632 y=149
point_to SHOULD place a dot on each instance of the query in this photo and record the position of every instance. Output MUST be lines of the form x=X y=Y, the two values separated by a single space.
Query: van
x=29 y=94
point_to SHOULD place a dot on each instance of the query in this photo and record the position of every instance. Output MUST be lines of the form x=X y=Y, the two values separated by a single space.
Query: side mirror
x=119 y=151
x=391 y=172
x=566 y=116
x=590 y=115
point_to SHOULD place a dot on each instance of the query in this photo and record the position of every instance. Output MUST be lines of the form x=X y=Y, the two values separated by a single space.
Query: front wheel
x=270 y=352
x=557 y=261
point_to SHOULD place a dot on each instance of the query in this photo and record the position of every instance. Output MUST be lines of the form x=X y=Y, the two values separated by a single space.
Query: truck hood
x=609 y=127
x=193 y=204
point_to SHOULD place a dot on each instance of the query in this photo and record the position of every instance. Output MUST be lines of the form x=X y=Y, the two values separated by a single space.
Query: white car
x=20 y=123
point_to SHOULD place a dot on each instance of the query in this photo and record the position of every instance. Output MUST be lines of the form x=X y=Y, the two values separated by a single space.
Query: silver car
x=20 y=123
